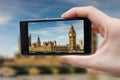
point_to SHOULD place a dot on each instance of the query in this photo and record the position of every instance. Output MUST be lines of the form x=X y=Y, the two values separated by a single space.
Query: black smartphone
x=55 y=36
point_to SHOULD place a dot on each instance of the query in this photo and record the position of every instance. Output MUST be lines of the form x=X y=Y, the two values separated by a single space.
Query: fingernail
x=63 y=15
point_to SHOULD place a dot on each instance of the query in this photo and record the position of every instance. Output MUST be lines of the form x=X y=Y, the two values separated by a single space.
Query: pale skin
x=107 y=57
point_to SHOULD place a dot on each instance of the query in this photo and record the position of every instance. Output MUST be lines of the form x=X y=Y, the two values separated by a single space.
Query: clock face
x=70 y=34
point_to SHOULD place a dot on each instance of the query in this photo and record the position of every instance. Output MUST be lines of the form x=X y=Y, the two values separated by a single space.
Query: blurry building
x=47 y=46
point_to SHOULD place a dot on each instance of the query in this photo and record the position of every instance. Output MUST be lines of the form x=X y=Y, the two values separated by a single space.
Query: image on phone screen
x=56 y=36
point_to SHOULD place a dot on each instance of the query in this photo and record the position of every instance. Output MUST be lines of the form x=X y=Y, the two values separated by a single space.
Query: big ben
x=72 y=39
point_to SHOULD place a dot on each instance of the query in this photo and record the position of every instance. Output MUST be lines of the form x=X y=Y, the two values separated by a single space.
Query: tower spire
x=38 y=42
x=72 y=28
x=38 y=37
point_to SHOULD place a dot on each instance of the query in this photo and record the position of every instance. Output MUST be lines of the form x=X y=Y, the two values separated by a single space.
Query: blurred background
x=14 y=66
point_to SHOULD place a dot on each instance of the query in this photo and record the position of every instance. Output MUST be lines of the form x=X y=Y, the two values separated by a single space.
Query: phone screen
x=56 y=36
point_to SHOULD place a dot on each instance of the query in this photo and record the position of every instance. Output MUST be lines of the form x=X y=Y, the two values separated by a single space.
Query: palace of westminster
x=51 y=46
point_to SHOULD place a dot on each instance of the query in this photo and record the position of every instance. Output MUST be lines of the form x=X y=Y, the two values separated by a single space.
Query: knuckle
x=91 y=7
x=118 y=21
x=115 y=20
x=74 y=8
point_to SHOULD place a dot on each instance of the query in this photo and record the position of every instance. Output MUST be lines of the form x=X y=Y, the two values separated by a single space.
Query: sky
x=12 y=11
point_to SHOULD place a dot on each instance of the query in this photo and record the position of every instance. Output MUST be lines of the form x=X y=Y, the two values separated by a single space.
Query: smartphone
x=55 y=36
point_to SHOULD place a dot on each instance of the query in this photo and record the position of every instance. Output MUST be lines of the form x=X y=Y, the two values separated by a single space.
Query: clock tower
x=72 y=39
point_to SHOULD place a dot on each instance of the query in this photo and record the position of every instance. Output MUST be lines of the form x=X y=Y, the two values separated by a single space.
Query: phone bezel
x=24 y=42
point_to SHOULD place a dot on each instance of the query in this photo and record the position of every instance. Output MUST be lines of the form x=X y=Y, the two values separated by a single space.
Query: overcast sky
x=12 y=11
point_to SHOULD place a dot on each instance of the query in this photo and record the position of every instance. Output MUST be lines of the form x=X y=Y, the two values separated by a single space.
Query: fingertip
x=63 y=15
x=62 y=59
x=67 y=14
x=65 y=59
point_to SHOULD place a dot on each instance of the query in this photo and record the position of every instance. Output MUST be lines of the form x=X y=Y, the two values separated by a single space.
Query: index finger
x=97 y=17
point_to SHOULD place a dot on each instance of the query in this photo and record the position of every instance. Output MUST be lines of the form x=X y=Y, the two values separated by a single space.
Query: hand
x=107 y=56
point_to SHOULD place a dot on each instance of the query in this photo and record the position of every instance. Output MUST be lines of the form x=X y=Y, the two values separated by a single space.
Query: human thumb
x=78 y=61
